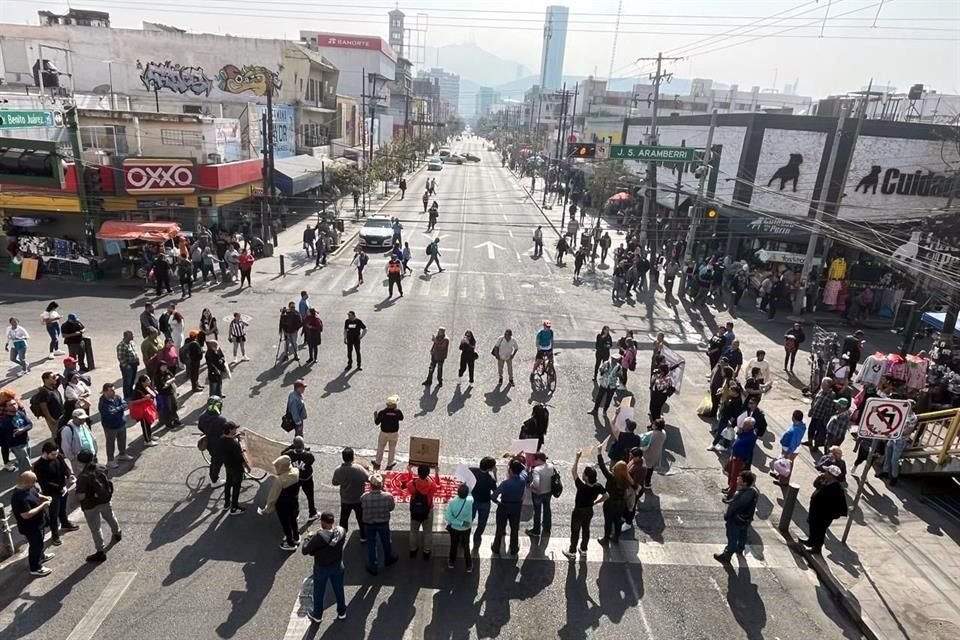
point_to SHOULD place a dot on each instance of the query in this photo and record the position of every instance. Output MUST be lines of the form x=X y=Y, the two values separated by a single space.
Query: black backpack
x=420 y=507
x=35 y=404
x=556 y=486
x=102 y=486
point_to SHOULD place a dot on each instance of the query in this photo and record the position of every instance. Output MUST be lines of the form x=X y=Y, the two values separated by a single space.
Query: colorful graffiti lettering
x=174 y=77
x=249 y=78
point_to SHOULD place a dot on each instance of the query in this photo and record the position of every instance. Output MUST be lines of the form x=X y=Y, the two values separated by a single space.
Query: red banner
x=397 y=483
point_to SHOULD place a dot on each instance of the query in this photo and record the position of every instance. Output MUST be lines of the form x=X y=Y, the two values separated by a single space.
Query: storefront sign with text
x=142 y=176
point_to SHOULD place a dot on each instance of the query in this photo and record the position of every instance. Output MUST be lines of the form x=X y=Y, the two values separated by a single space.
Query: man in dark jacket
x=852 y=346
x=192 y=355
x=739 y=515
x=234 y=463
x=53 y=475
x=212 y=424
x=161 y=275
x=94 y=492
x=326 y=546
x=827 y=503
x=290 y=323
x=302 y=459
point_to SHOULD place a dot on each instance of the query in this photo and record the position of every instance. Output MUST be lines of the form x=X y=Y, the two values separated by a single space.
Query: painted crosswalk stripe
x=90 y=622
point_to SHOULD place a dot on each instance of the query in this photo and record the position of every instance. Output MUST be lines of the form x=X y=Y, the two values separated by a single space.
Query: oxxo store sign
x=157 y=177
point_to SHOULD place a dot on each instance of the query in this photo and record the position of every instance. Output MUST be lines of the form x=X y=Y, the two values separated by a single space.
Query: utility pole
x=363 y=141
x=650 y=189
x=566 y=187
x=556 y=150
x=696 y=212
x=825 y=195
x=536 y=134
x=71 y=118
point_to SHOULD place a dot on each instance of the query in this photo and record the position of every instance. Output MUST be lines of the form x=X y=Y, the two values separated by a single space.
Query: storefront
x=129 y=247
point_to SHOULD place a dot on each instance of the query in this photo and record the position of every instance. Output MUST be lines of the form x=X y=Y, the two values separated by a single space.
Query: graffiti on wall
x=252 y=77
x=174 y=77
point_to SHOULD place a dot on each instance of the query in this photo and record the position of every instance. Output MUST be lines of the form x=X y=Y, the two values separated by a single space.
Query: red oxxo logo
x=158 y=176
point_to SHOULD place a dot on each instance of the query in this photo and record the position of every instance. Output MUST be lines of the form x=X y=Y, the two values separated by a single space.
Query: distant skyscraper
x=449 y=85
x=554 y=43
x=396 y=32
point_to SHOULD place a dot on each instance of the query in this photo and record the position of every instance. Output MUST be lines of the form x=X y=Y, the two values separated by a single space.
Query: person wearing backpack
x=360 y=261
x=541 y=491
x=433 y=250
x=394 y=270
x=459 y=517
x=95 y=492
x=422 y=490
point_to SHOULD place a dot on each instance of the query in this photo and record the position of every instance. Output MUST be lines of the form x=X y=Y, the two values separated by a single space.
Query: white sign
x=883 y=418
x=784 y=257
x=603 y=151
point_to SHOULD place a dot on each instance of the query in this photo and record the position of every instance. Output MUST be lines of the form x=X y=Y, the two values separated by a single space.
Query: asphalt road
x=183 y=570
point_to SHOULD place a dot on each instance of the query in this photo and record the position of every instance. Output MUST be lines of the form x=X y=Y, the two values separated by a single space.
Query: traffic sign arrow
x=491 y=246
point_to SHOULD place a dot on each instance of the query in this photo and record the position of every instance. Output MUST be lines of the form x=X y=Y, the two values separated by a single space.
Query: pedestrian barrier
x=6 y=537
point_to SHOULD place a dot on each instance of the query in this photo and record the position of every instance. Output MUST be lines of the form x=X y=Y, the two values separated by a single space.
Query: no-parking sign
x=883 y=418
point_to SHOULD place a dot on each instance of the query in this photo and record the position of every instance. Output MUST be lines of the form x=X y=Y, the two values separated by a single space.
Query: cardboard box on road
x=425 y=451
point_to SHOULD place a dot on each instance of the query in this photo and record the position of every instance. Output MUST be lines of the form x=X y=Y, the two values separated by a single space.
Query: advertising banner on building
x=284 y=130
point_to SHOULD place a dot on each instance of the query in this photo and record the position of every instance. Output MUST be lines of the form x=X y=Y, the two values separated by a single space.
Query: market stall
x=134 y=244
x=35 y=254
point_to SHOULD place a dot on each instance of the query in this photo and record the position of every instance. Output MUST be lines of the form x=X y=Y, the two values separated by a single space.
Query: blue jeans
x=18 y=355
x=481 y=511
x=541 y=507
x=22 y=453
x=375 y=531
x=320 y=576
x=53 y=330
x=289 y=345
x=128 y=373
x=736 y=538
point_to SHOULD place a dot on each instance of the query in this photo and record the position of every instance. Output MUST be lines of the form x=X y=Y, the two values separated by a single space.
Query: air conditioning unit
x=193 y=109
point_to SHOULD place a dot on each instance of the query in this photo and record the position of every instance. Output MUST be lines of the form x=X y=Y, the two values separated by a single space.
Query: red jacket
x=245 y=261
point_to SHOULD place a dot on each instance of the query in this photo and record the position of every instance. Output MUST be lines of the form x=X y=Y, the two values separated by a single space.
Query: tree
x=606 y=179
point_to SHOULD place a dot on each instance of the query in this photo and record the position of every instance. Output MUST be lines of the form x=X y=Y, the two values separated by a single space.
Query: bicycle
x=255 y=474
x=544 y=372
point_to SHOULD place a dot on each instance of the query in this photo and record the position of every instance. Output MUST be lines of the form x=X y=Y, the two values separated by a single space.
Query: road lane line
x=90 y=623
x=299 y=624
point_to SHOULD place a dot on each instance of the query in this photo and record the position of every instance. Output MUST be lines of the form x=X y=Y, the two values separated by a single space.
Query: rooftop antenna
x=616 y=32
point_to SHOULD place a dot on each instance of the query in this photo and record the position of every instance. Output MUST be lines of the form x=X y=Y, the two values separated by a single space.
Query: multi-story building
x=916 y=105
x=449 y=85
x=75 y=17
x=396 y=31
x=554 y=44
x=485 y=99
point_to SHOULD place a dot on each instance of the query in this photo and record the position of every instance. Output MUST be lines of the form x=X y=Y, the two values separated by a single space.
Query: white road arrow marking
x=490 y=249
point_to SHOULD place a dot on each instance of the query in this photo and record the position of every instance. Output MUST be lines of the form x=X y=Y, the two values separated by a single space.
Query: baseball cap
x=843 y=402
x=833 y=470
x=79 y=414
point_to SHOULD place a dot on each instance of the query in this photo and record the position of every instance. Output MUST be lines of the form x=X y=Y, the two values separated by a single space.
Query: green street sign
x=27 y=119
x=654 y=154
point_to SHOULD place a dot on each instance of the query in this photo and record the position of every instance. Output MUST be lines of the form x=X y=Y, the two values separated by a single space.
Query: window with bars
x=313 y=135
x=181 y=138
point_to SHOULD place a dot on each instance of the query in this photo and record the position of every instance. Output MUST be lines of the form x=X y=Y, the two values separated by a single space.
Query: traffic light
x=711 y=212
x=581 y=150
x=31 y=162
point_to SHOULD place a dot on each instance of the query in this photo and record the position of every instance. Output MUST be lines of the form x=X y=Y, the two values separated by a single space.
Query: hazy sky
x=911 y=41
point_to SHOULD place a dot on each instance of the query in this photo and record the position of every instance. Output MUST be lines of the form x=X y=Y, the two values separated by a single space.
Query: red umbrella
x=617 y=197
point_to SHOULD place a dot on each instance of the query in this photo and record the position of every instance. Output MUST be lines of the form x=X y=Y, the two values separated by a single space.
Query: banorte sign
x=142 y=176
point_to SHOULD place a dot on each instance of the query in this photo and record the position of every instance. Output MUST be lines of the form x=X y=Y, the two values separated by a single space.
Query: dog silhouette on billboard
x=789 y=172
x=870 y=181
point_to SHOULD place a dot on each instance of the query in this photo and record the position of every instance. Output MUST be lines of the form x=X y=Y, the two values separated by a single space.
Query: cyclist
x=544 y=348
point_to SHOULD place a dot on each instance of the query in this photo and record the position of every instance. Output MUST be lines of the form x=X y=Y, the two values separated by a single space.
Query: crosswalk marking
x=90 y=622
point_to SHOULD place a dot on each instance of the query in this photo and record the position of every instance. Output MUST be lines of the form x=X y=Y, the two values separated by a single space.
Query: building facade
x=554 y=46
x=449 y=85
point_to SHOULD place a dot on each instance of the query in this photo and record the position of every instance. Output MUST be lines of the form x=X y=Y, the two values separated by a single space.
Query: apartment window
x=180 y=138
x=313 y=135
x=314 y=91
x=112 y=138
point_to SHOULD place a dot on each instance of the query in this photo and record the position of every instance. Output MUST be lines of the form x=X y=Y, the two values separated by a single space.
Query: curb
x=840 y=593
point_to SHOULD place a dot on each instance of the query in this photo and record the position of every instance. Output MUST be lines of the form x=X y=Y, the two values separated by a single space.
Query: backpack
x=35 y=404
x=556 y=486
x=430 y=249
x=102 y=487
x=362 y=261
x=420 y=507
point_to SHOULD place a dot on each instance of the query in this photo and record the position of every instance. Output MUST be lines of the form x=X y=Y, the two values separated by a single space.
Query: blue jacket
x=296 y=408
x=743 y=445
x=11 y=423
x=792 y=437
x=511 y=490
x=111 y=413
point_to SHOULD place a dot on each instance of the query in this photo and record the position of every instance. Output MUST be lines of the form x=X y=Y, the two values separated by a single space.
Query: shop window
x=180 y=138
x=109 y=138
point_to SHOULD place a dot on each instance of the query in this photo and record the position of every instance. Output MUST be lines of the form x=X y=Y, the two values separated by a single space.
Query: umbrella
x=617 y=197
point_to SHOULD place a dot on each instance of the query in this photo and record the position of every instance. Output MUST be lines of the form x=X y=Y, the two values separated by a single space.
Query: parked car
x=444 y=152
x=434 y=164
x=376 y=233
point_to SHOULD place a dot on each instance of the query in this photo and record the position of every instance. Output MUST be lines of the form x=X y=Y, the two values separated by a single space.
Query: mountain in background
x=515 y=89
x=475 y=64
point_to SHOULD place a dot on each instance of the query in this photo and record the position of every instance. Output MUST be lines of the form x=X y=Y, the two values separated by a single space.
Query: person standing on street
x=245 y=264
x=290 y=325
x=589 y=494
x=579 y=257
x=75 y=438
x=29 y=507
x=326 y=546
x=425 y=199
x=235 y=463
x=312 y=334
x=50 y=319
x=602 y=348
x=16 y=344
x=161 y=274
x=74 y=339
x=468 y=355
x=422 y=489
x=302 y=459
x=509 y=498
x=538 y=241
x=54 y=476
x=661 y=388
x=433 y=250
x=359 y=261
x=216 y=368
x=388 y=419
x=296 y=407
x=95 y=492
x=827 y=503
x=192 y=356
x=821 y=410
x=618 y=481
x=439 y=347
x=352 y=479
x=353 y=332
x=394 y=270
x=112 y=408
x=15 y=428
x=309 y=237
x=741 y=455
x=504 y=351
x=741 y=507
x=486 y=484
x=148 y=320
x=185 y=276
x=283 y=499
x=237 y=334
x=607 y=386
x=403 y=187
x=434 y=214
x=792 y=341
x=405 y=258
x=48 y=401
x=541 y=491
x=459 y=518
x=376 y=506
x=655 y=437
x=213 y=425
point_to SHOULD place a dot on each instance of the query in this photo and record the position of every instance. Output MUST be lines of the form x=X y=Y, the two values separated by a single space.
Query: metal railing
x=938 y=433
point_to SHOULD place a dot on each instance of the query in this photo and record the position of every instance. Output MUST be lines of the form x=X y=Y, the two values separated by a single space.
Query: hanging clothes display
x=871 y=370
x=830 y=292
x=837 y=270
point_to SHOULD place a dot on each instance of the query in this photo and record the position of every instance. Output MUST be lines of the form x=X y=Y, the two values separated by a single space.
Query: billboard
x=284 y=130
x=146 y=176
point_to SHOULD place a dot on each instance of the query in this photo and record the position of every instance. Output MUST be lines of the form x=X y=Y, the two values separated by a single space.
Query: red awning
x=150 y=231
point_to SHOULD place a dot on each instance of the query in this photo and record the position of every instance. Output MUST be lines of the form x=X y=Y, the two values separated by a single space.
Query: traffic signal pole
x=71 y=120
x=696 y=212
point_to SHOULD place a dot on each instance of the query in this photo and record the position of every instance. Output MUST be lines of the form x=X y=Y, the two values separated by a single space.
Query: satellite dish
x=101 y=89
